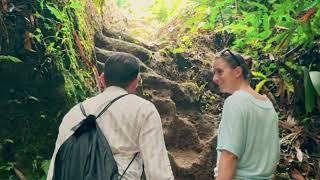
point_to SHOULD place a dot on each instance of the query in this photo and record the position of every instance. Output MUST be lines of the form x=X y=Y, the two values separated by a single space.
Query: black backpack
x=86 y=155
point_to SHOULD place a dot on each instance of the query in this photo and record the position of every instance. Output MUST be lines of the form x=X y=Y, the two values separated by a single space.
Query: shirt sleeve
x=232 y=129
x=152 y=145
x=63 y=134
x=51 y=167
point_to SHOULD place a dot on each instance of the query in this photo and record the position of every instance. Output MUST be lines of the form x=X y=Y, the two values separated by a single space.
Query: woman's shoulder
x=236 y=101
x=244 y=99
x=238 y=97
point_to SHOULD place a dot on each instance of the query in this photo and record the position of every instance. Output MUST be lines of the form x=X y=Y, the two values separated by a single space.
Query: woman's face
x=226 y=77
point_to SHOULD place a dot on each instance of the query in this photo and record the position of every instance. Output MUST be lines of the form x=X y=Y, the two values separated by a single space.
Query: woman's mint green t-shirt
x=249 y=129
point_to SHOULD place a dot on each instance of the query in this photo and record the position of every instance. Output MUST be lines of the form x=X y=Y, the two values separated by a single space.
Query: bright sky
x=142 y=8
x=146 y=17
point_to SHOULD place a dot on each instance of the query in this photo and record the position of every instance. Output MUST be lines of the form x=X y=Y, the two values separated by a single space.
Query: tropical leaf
x=266 y=26
x=28 y=41
x=258 y=5
x=315 y=79
x=56 y=12
x=260 y=85
x=258 y=74
x=10 y=59
x=309 y=92
x=45 y=166
x=75 y=5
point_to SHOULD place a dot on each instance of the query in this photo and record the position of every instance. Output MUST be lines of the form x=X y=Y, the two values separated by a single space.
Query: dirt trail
x=189 y=120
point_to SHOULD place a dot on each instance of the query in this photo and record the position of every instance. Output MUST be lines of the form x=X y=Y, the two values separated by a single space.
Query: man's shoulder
x=131 y=102
x=139 y=101
x=133 y=99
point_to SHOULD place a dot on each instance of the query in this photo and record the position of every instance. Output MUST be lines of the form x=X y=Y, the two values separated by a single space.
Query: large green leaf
x=315 y=79
x=213 y=16
x=258 y=5
x=264 y=35
x=258 y=74
x=266 y=22
x=45 y=166
x=308 y=92
x=56 y=12
x=9 y=59
x=260 y=85
x=75 y=5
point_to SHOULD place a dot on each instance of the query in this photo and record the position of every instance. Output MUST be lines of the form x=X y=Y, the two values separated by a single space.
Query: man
x=130 y=125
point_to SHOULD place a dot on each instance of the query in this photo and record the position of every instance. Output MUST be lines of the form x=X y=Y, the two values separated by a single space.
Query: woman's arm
x=227 y=165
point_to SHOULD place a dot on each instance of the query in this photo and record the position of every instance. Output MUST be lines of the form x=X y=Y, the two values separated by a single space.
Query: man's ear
x=102 y=81
x=135 y=82
x=132 y=87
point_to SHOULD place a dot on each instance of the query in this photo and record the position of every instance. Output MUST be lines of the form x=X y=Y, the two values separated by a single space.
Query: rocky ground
x=182 y=91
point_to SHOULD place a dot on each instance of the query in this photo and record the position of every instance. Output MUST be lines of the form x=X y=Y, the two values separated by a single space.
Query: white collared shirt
x=131 y=124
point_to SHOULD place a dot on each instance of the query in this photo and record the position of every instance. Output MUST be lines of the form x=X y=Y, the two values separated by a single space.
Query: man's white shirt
x=131 y=124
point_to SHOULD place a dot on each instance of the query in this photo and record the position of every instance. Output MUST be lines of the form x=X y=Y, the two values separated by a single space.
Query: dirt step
x=185 y=159
x=125 y=37
x=181 y=134
x=102 y=55
x=117 y=45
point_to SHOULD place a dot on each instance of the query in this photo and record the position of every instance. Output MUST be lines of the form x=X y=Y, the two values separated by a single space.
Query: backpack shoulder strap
x=82 y=110
x=124 y=172
x=74 y=128
x=104 y=109
x=109 y=104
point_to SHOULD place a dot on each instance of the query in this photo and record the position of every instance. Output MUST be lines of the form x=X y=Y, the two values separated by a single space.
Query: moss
x=39 y=89
x=99 y=4
x=164 y=52
x=9 y=59
x=192 y=90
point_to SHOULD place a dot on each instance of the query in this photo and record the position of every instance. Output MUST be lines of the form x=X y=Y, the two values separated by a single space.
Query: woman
x=248 y=138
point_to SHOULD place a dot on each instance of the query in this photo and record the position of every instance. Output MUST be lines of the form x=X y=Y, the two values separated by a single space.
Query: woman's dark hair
x=234 y=60
x=120 y=69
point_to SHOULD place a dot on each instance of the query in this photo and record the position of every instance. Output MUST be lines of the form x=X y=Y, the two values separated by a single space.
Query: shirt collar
x=115 y=90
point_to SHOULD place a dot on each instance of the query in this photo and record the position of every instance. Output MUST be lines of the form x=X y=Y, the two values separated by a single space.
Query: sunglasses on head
x=221 y=53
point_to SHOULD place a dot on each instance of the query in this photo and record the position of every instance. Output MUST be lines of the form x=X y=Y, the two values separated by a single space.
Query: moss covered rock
x=42 y=76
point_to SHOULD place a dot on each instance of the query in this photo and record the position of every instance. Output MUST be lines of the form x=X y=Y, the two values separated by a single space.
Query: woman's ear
x=238 y=72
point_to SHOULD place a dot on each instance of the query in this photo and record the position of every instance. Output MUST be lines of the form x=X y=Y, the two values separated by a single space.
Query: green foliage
x=40 y=167
x=263 y=80
x=315 y=79
x=260 y=85
x=99 y=5
x=121 y=3
x=9 y=166
x=161 y=10
x=165 y=10
x=39 y=87
x=56 y=34
x=259 y=74
x=183 y=45
x=309 y=92
x=9 y=59
x=268 y=31
x=262 y=26
x=45 y=168
x=208 y=13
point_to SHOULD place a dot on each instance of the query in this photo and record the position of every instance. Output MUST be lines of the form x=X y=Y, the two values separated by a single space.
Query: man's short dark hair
x=120 y=69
